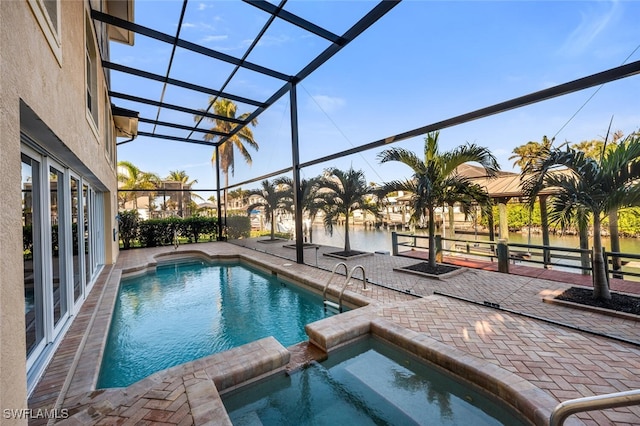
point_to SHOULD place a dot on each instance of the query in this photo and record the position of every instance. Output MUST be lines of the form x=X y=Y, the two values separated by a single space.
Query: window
x=109 y=140
x=47 y=13
x=92 y=72
x=57 y=248
x=51 y=7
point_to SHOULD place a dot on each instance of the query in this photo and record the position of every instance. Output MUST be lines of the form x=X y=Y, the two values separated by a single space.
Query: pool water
x=187 y=311
x=368 y=383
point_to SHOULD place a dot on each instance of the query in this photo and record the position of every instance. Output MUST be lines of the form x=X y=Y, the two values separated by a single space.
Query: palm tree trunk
x=544 y=218
x=452 y=231
x=273 y=224
x=600 y=281
x=347 y=244
x=615 y=243
x=432 y=237
x=583 y=232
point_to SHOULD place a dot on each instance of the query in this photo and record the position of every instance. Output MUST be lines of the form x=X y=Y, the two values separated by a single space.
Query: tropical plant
x=530 y=152
x=225 y=109
x=340 y=194
x=131 y=177
x=310 y=200
x=589 y=186
x=128 y=222
x=182 y=177
x=237 y=227
x=274 y=198
x=596 y=149
x=435 y=180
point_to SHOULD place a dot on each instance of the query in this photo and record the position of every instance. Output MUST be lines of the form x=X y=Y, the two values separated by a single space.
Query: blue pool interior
x=368 y=382
x=188 y=310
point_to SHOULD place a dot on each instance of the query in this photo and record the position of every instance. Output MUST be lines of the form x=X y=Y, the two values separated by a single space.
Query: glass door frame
x=38 y=232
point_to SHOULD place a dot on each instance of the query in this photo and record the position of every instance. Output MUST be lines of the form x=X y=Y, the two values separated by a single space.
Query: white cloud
x=593 y=22
x=211 y=38
x=188 y=25
x=268 y=40
x=202 y=6
x=328 y=103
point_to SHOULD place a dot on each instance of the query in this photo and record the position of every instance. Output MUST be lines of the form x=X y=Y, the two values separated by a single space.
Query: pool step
x=332 y=306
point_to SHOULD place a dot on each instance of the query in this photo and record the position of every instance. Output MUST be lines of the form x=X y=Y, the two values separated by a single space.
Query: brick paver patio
x=566 y=352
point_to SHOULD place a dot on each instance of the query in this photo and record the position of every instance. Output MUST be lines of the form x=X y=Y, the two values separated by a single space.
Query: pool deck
x=563 y=351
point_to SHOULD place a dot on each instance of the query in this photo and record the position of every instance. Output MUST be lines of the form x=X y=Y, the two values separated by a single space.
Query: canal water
x=367 y=239
x=380 y=239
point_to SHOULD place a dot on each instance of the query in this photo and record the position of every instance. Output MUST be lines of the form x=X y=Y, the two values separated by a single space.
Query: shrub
x=194 y=226
x=152 y=232
x=128 y=223
x=210 y=227
x=238 y=227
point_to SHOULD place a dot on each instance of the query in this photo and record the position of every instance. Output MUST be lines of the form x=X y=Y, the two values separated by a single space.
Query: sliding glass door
x=62 y=247
x=32 y=254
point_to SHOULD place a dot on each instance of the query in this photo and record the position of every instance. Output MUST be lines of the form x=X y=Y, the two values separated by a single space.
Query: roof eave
x=122 y=9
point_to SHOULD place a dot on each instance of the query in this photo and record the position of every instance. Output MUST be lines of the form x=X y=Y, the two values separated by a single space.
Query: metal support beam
x=296 y=20
x=176 y=108
x=297 y=188
x=184 y=84
x=160 y=36
x=220 y=225
x=180 y=126
x=176 y=138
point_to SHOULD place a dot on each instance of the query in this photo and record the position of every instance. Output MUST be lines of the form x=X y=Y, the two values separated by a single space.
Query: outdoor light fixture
x=126 y=122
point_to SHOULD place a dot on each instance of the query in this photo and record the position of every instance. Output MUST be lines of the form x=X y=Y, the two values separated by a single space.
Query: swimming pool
x=369 y=382
x=188 y=310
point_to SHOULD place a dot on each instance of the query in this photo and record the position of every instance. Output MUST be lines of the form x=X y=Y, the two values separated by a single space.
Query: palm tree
x=531 y=151
x=435 y=179
x=131 y=177
x=238 y=194
x=341 y=193
x=596 y=149
x=226 y=108
x=183 y=178
x=310 y=200
x=275 y=198
x=592 y=186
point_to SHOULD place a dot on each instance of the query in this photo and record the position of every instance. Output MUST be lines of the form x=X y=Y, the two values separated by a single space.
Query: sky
x=422 y=62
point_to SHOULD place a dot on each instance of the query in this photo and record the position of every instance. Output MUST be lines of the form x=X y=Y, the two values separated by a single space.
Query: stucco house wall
x=43 y=94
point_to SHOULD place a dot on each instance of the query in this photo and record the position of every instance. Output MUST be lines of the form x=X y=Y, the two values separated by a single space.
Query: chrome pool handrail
x=335 y=268
x=348 y=281
x=590 y=403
